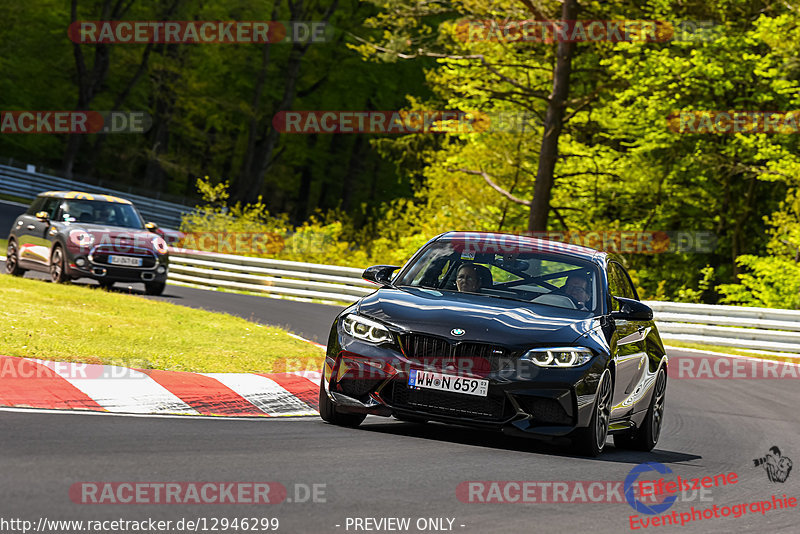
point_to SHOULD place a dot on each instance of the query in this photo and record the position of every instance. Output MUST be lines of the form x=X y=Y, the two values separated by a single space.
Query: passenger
x=577 y=289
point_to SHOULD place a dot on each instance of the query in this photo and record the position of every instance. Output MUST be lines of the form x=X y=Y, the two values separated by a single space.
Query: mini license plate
x=125 y=260
x=443 y=382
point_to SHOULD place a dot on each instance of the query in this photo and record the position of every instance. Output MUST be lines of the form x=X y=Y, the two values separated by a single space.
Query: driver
x=577 y=289
x=106 y=214
x=467 y=279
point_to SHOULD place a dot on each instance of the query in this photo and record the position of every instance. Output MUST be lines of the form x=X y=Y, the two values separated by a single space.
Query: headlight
x=160 y=245
x=366 y=329
x=559 y=356
x=79 y=238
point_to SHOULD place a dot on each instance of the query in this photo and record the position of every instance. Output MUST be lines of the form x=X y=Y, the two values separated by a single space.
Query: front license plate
x=125 y=260
x=442 y=382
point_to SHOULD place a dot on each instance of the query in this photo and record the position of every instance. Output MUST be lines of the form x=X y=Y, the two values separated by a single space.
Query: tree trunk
x=553 y=123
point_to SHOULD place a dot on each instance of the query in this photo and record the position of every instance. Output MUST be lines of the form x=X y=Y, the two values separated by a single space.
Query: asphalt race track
x=392 y=469
x=389 y=469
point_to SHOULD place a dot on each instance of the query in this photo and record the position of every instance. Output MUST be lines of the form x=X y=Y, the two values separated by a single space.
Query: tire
x=593 y=439
x=12 y=259
x=327 y=410
x=58 y=273
x=154 y=288
x=646 y=436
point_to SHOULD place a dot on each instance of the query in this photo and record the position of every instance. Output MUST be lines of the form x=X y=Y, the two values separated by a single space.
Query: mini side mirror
x=380 y=274
x=151 y=227
x=42 y=215
x=632 y=310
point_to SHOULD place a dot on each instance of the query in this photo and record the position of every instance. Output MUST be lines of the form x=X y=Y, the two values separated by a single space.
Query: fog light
x=161 y=269
x=80 y=262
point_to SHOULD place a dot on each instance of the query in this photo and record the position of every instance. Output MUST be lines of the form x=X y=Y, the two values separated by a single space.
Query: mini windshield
x=530 y=276
x=99 y=212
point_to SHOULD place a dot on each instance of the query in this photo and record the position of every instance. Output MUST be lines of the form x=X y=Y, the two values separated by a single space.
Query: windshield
x=538 y=277
x=99 y=212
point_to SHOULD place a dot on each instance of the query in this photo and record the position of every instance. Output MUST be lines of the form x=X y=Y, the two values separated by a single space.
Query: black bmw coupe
x=527 y=336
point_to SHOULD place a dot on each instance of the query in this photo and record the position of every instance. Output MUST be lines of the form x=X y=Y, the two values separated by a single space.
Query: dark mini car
x=530 y=337
x=80 y=235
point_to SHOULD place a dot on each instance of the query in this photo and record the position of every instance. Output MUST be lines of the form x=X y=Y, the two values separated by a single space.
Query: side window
x=627 y=284
x=36 y=206
x=51 y=207
x=619 y=284
x=615 y=288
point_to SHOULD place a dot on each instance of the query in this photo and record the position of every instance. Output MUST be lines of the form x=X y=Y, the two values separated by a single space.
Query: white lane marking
x=119 y=389
x=265 y=394
x=255 y=418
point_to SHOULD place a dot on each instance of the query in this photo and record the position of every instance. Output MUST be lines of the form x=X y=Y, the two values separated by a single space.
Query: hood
x=483 y=318
x=117 y=239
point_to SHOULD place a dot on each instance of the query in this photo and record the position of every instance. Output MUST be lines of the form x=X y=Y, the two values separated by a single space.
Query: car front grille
x=470 y=356
x=490 y=408
x=100 y=255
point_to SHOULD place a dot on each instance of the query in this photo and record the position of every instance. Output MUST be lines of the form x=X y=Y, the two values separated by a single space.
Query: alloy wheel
x=11 y=258
x=603 y=410
x=658 y=404
x=56 y=265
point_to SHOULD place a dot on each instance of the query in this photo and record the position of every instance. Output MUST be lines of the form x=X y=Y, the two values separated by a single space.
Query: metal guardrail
x=26 y=184
x=272 y=277
x=732 y=326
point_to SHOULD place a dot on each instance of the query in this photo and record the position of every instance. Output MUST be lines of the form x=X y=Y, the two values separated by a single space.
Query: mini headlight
x=79 y=238
x=160 y=245
x=366 y=329
x=559 y=356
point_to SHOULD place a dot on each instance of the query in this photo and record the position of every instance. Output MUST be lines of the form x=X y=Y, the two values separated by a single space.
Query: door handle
x=31 y=227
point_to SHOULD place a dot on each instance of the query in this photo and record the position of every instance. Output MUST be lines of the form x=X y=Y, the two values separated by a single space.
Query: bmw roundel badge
x=457 y=332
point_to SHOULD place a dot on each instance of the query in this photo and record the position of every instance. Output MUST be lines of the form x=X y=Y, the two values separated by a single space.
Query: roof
x=80 y=195
x=499 y=242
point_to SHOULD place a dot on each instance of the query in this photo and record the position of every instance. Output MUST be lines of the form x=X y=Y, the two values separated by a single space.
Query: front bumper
x=522 y=398
x=96 y=266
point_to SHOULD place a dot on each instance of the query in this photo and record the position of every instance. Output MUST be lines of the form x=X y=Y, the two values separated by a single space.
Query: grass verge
x=82 y=324
x=13 y=198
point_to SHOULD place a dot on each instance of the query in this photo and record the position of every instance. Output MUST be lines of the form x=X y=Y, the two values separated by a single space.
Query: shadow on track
x=496 y=440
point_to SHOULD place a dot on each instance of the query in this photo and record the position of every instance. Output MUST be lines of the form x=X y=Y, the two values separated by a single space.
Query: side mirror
x=380 y=274
x=43 y=216
x=151 y=227
x=632 y=310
